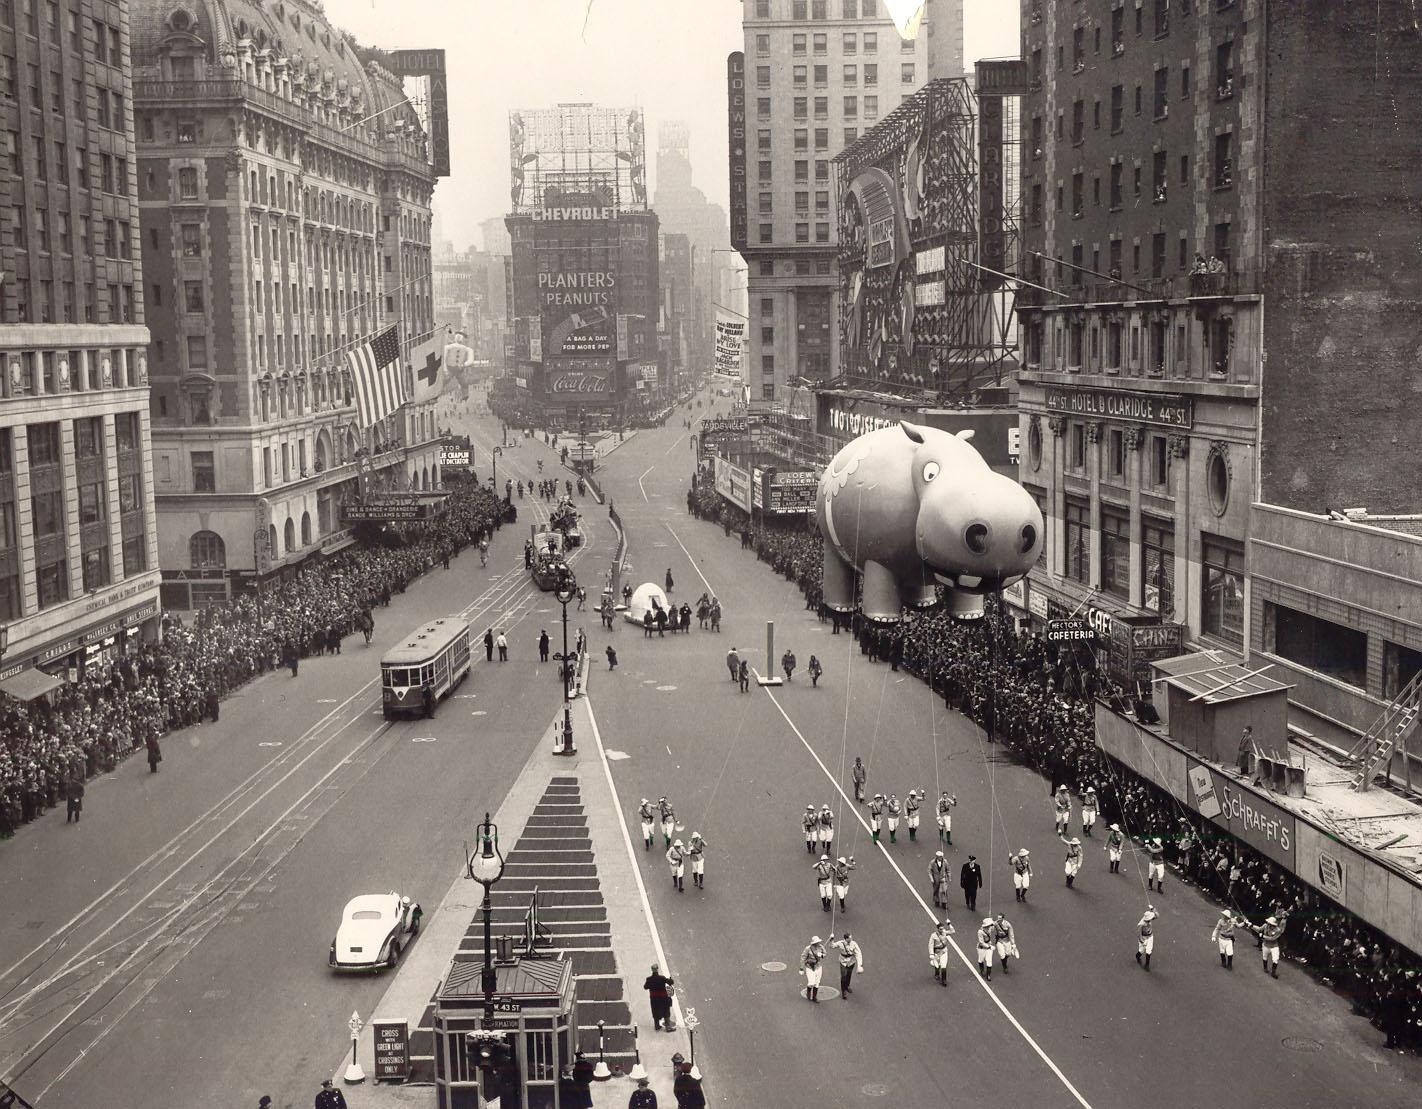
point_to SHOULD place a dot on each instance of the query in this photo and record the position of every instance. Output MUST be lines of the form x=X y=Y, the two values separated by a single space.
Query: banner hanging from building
x=730 y=334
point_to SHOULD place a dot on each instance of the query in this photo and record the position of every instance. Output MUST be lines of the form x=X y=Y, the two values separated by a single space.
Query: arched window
x=290 y=535
x=425 y=479
x=206 y=551
x=434 y=473
x=272 y=541
x=306 y=529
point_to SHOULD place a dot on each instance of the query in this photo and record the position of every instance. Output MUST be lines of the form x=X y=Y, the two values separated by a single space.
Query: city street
x=1076 y=1021
x=192 y=925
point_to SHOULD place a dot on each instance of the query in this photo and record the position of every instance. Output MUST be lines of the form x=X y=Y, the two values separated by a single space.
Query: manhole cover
x=615 y=756
x=826 y=993
x=665 y=688
x=774 y=966
x=478 y=712
x=874 y=1089
x=1303 y=1045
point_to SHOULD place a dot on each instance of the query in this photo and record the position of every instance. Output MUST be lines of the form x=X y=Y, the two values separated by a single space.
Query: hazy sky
x=666 y=56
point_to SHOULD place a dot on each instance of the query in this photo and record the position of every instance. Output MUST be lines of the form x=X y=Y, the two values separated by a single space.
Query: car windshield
x=367 y=914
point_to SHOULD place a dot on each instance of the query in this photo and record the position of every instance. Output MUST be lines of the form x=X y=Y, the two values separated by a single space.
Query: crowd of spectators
x=51 y=745
x=1041 y=706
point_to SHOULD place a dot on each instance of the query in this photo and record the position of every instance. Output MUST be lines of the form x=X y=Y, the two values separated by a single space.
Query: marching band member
x=945 y=817
x=876 y=815
x=911 y=807
x=1115 y=844
x=1223 y=936
x=1061 y=809
x=696 y=849
x=1073 y=859
x=1271 y=932
x=1006 y=940
x=676 y=856
x=841 y=879
x=812 y=961
x=1021 y=874
x=938 y=951
x=987 y=939
x=894 y=810
x=1145 y=928
x=1089 y=807
x=826 y=829
x=824 y=876
x=851 y=958
x=668 y=819
x=1156 y=875
x=647 y=813
x=811 y=823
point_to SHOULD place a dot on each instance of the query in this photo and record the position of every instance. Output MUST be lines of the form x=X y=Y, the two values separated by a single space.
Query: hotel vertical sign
x=736 y=106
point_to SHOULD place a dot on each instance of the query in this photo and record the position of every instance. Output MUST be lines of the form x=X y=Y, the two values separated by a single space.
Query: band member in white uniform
x=696 y=851
x=1073 y=859
x=676 y=857
x=987 y=940
x=1115 y=844
x=1223 y=936
x=1061 y=809
x=938 y=951
x=841 y=879
x=894 y=809
x=1145 y=941
x=824 y=877
x=945 y=817
x=1089 y=807
x=1021 y=874
x=811 y=823
x=1006 y=941
x=826 y=829
x=911 y=807
x=812 y=961
x=649 y=822
x=668 y=819
x=876 y=815
x=1156 y=876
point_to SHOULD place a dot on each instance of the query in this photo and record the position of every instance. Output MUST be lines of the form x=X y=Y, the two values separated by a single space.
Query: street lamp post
x=567 y=590
x=486 y=866
x=494 y=457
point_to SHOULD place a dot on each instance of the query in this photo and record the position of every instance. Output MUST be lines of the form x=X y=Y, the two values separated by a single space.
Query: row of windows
x=1334 y=649
x=114 y=239
x=1073 y=273
x=801 y=44
x=34 y=373
x=34 y=302
x=800 y=107
x=1160 y=29
x=58 y=166
x=110 y=107
x=804 y=267
x=1110 y=345
x=849 y=75
x=108 y=46
x=802 y=202
x=815 y=9
x=801 y=170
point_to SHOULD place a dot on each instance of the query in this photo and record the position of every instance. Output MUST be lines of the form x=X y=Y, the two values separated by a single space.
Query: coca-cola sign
x=576 y=382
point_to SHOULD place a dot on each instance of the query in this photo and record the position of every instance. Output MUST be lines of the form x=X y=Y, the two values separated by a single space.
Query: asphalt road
x=1076 y=1021
x=171 y=949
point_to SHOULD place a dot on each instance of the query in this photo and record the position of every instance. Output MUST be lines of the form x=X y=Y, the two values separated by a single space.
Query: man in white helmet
x=668 y=819
x=826 y=829
x=938 y=950
x=1006 y=940
x=824 y=877
x=812 y=963
x=1073 y=859
x=1271 y=932
x=1145 y=936
x=987 y=940
x=894 y=809
x=1021 y=874
x=1223 y=937
x=648 y=817
x=1115 y=844
x=938 y=875
x=876 y=815
x=945 y=819
x=696 y=851
x=1089 y=807
x=842 y=867
x=676 y=857
x=1061 y=809
x=811 y=823
x=911 y=807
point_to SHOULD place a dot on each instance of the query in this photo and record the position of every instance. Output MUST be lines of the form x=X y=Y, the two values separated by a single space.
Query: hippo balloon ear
x=966 y=434
x=913 y=431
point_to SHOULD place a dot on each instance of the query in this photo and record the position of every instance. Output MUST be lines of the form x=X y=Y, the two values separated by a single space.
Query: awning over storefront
x=28 y=685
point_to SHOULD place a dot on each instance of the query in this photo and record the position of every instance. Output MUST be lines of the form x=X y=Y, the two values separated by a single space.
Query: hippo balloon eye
x=930 y=470
x=975 y=536
x=1029 y=537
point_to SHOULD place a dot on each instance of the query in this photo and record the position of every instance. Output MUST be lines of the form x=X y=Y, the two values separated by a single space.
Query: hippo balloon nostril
x=975 y=537
x=1029 y=537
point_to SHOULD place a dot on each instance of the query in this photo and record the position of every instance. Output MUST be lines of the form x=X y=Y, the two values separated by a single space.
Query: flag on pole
x=427 y=365
x=376 y=377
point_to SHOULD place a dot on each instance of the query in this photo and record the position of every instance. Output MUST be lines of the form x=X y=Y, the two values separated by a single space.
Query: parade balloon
x=911 y=508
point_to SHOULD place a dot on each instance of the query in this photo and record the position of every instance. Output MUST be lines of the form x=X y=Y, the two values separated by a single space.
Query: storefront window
x=1078 y=539
x=1222 y=605
x=1116 y=552
x=1158 y=566
x=1316 y=644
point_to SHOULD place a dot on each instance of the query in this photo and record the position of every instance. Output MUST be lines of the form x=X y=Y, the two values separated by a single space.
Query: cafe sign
x=1160 y=409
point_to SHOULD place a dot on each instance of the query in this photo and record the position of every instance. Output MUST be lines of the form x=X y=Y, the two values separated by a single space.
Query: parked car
x=374 y=929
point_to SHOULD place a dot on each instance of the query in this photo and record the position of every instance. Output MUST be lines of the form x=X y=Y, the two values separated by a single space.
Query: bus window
x=427 y=675
x=385 y=679
x=400 y=677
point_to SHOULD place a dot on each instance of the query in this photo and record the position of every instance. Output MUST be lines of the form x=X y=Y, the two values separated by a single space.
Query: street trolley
x=416 y=675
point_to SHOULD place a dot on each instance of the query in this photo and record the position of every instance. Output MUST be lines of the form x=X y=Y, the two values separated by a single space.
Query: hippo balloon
x=911 y=507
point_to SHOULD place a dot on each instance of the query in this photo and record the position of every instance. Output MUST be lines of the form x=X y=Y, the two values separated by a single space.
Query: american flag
x=377 y=377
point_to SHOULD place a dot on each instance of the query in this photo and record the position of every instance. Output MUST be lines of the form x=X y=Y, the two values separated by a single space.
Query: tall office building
x=285 y=187
x=815 y=73
x=1223 y=336
x=78 y=546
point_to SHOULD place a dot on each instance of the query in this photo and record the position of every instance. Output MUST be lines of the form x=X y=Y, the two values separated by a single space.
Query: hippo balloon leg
x=838 y=582
x=918 y=596
x=881 y=594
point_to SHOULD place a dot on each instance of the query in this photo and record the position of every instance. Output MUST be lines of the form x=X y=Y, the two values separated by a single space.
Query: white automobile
x=375 y=928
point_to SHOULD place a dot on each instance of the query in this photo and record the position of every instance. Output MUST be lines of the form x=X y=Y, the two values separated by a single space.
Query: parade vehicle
x=418 y=673
x=375 y=928
x=549 y=571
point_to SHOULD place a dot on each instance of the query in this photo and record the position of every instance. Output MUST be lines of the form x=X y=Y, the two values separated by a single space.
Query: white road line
x=962 y=956
x=631 y=854
x=640 y=476
x=694 y=567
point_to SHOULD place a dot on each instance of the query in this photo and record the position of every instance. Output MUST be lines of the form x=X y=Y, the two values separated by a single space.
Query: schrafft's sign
x=1242 y=812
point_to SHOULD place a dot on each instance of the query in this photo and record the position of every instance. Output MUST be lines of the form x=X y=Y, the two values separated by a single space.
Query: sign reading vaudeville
x=1163 y=409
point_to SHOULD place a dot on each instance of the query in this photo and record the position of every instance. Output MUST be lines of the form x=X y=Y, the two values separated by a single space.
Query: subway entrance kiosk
x=535 y=1008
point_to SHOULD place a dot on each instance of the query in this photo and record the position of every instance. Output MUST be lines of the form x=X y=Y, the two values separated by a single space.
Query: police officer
x=824 y=878
x=842 y=867
x=812 y=962
x=938 y=951
x=1115 y=844
x=938 y=875
x=945 y=817
x=648 y=817
x=851 y=958
x=676 y=857
x=894 y=809
x=911 y=807
x=811 y=823
x=876 y=815
x=696 y=851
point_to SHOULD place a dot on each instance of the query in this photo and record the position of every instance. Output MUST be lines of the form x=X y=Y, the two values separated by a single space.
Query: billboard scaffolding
x=577 y=150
